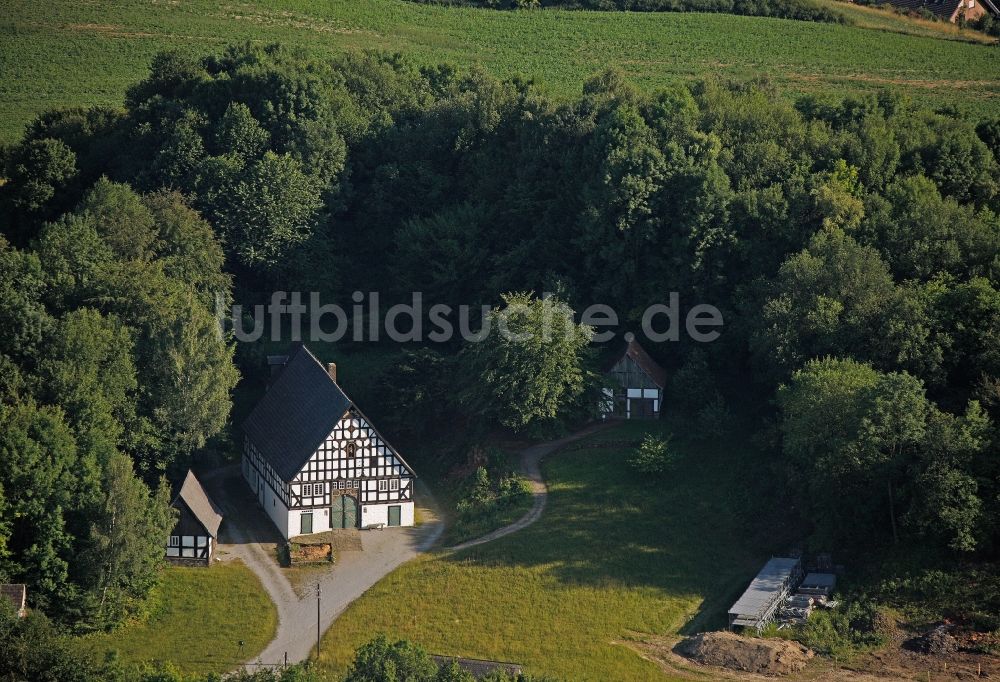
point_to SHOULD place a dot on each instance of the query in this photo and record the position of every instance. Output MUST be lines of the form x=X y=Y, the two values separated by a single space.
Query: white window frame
x=383 y=485
x=394 y=484
x=174 y=541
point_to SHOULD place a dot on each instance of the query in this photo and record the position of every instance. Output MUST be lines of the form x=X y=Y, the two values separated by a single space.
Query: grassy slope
x=888 y=20
x=609 y=558
x=62 y=53
x=199 y=616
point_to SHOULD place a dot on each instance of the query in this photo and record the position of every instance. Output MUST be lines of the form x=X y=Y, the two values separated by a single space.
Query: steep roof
x=296 y=414
x=647 y=364
x=16 y=594
x=200 y=504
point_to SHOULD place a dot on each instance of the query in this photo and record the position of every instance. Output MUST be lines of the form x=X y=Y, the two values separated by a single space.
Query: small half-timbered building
x=637 y=383
x=314 y=461
x=192 y=541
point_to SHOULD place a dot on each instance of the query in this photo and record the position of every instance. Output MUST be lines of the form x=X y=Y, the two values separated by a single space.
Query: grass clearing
x=477 y=520
x=62 y=53
x=613 y=555
x=198 y=617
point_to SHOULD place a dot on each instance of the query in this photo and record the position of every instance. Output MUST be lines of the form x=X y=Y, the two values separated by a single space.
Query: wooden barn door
x=394 y=515
x=344 y=513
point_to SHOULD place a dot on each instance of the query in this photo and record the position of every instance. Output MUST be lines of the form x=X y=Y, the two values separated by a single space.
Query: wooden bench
x=375 y=526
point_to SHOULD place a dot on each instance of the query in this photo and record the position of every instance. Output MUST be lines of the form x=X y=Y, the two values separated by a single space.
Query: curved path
x=530 y=466
x=249 y=536
x=251 y=540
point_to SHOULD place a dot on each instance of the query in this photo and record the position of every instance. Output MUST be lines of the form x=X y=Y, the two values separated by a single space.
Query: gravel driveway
x=247 y=534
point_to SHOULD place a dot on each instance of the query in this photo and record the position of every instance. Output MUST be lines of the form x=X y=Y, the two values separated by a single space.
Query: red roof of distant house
x=17 y=595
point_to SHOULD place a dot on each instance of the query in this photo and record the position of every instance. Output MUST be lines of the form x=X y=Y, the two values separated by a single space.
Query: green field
x=62 y=53
x=198 y=617
x=612 y=559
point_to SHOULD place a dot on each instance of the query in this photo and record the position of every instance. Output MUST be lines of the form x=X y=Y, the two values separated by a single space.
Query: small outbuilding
x=192 y=541
x=480 y=668
x=17 y=595
x=637 y=383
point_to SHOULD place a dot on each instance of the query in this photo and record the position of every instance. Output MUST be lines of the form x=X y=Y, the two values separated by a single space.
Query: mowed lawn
x=613 y=557
x=199 y=617
x=64 y=53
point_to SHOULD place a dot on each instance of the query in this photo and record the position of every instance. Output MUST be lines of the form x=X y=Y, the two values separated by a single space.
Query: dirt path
x=530 y=466
x=249 y=536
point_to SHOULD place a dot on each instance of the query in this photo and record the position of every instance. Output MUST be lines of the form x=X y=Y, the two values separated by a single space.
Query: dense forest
x=852 y=246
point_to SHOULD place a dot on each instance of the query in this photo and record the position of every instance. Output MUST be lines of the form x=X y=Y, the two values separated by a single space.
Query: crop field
x=62 y=53
x=613 y=559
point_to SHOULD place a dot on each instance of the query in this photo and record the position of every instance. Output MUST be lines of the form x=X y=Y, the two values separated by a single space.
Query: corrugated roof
x=765 y=587
x=296 y=413
x=200 y=504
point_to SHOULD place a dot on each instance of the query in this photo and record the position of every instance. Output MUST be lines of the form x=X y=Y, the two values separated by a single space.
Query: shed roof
x=478 y=667
x=820 y=580
x=200 y=504
x=296 y=414
x=765 y=587
x=634 y=350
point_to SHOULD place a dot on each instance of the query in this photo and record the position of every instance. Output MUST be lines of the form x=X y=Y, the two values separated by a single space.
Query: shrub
x=654 y=456
x=841 y=633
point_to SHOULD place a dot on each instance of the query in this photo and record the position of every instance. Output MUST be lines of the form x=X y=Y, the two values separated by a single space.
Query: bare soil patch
x=745 y=654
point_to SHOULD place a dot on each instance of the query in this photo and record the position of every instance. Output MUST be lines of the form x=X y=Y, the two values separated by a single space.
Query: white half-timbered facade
x=193 y=538
x=315 y=462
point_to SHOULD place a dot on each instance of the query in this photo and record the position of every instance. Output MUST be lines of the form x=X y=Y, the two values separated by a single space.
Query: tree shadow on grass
x=686 y=535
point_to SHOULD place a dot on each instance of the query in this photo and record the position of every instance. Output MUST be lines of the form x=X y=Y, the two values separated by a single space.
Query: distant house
x=638 y=383
x=193 y=539
x=951 y=10
x=314 y=461
x=17 y=596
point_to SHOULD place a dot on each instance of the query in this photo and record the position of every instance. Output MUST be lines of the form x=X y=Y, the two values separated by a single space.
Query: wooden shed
x=637 y=383
x=193 y=539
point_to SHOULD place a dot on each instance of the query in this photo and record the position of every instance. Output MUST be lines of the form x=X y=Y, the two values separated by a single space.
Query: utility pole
x=318 y=593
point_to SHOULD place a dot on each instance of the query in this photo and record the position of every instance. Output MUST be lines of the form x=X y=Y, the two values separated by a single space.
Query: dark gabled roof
x=632 y=349
x=200 y=504
x=296 y=414
x=477 y=667
x=944 y=9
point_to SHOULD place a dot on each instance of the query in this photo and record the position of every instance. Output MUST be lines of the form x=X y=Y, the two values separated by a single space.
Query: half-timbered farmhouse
x=192 y=541
x=638 y=382
x=314 y=461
